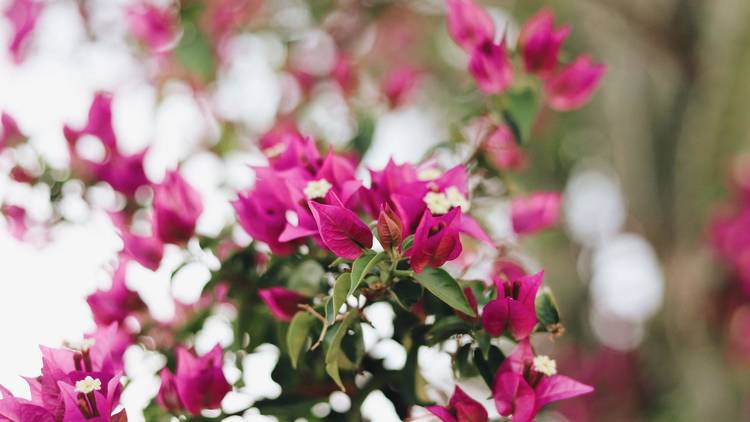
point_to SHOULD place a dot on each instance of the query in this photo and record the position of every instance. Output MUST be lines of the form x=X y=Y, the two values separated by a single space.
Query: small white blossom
x=88 y=385
x=456 y=198
x=437 y=202
x=317 y=189
x=545 y=365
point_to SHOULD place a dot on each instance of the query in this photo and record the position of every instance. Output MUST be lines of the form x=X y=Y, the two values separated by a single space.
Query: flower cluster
x=78 y=383
x=490 y=64
x=320 y=238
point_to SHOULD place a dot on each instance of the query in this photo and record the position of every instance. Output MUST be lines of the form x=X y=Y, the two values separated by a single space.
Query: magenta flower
x=168 y=397
x=461 y=408
x=177 y=206
x=469 y=24
x=436 y=240
x=145 y=250
x=540 y=43
x=125 y=173
x=16 y=221
x=262 y=212
x=399 y=85
x=514 y=308
x=292 y=151
x=13 y=409
x=341 y=230
x=198 y=383
x=153 y=26
x=115 y=304
x=392 y=179
x=22 y=15
x=535 y=212
x=11 y=135
x=524 y=384
x=491 y=67
x=76 y=384
x=99 y=124
x=502 y=150
x=91 y=398
x=573 y=85
x=282 y=302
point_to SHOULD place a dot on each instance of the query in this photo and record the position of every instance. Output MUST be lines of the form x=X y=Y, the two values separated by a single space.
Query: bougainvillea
x=326 y=236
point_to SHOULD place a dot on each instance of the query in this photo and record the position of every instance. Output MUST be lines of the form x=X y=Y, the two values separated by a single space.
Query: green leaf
x=445 y=328
x=463 y=362
x=547 y=311
x=296 y=336
x=334 y=350
x=362 y=266
x=521 y=111
x=194 y=52
x=445 y=288
x=341 y=290
x=336 y=262
x=330 y=313
x=407 y=293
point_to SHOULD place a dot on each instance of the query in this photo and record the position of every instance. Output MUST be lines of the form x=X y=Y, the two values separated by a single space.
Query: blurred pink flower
x=199 y=382
x=125 y=173
x=11 y=135
x=399 y=84
x=177 y=206
x=540 y=43
x=117 y=303
x=154 y=26
x=502 y=150
x=537 y=211
x=282 y=302
x=16 y=220
x=491 y=67
x=573 y=86
x=469 y=24
x=22 y=15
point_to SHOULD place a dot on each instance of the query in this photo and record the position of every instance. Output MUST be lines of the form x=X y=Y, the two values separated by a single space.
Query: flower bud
x=390 y=228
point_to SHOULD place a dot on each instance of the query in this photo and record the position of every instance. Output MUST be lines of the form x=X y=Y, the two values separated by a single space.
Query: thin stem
x=321 y=318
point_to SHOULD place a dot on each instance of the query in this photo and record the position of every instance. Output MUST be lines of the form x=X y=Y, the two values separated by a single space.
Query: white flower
x=437 y=202
x=317 y=189
x=88 y=385
x=457 y=199
x=543 y=364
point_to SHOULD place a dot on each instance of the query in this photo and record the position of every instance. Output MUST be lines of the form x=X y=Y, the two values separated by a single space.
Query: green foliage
x=333 y=354
x=438 y=282
x=297 y=335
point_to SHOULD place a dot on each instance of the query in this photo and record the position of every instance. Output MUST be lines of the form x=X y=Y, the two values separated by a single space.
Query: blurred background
x=643 y=167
